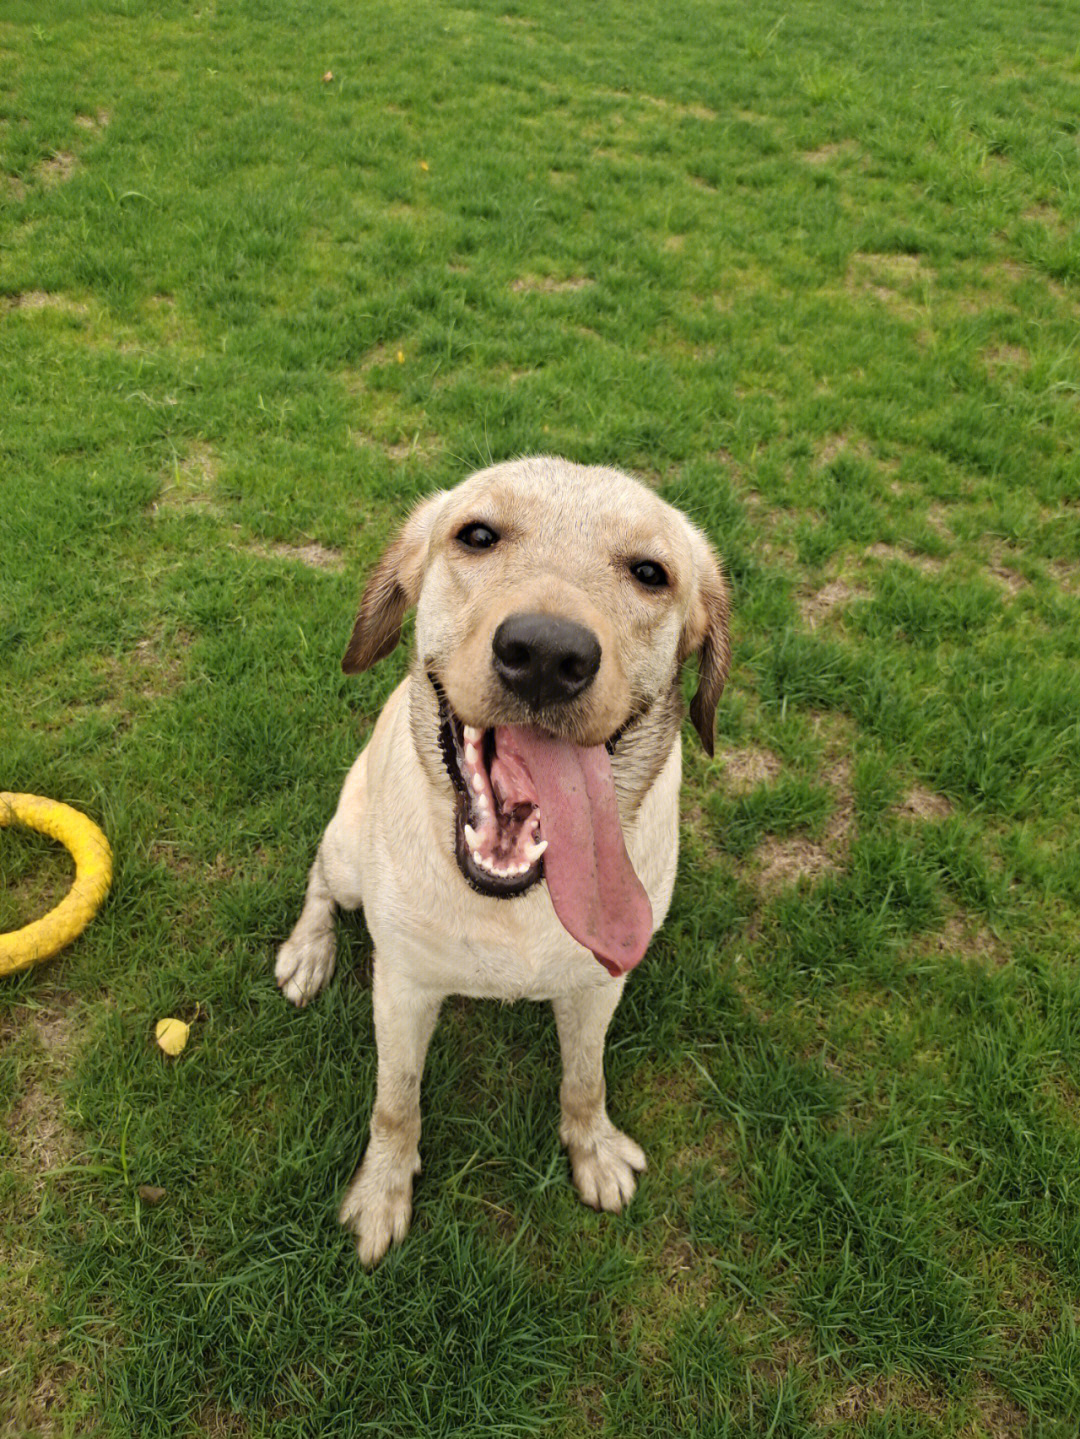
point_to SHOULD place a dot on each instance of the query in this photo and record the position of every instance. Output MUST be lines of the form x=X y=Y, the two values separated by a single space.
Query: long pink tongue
x=596 y=894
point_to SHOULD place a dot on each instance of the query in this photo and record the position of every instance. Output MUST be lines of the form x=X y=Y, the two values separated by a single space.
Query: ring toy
x=89 y=848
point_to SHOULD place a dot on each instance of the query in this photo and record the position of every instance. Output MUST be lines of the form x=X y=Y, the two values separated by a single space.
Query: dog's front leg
x=603 y=1159
x=378 y=1205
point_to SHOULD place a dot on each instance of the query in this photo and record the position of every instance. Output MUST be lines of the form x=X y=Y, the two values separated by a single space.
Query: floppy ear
x=392 y=588
x=706 y=631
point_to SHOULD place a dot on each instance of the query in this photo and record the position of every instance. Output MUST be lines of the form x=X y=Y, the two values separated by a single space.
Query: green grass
x=815 y=272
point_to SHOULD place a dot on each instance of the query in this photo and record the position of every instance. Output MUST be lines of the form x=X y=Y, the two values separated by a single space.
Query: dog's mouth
x=532 y=806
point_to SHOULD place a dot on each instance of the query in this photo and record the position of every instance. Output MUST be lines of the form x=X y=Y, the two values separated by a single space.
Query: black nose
x=545 y=659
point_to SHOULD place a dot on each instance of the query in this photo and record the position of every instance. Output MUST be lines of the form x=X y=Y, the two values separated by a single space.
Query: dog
x=511 y=828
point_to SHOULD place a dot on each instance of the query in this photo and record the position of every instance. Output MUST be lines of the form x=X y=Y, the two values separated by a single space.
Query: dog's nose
x=545 y=659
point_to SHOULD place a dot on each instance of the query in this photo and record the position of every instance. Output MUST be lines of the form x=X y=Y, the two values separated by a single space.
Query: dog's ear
x=392 y=588
x=706 y=632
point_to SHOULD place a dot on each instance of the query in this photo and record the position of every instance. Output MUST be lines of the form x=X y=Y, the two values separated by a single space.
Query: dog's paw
x=604 y=1163
x=378 y=1209
x=304 y=966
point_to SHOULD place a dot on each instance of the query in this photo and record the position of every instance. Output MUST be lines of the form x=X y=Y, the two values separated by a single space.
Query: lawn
x=268 y=272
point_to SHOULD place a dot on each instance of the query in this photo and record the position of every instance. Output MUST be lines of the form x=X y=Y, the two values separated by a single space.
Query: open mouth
x=532 y=806
x=497 y=840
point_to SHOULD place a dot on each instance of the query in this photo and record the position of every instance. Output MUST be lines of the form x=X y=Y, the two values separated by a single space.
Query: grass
x=815 y=272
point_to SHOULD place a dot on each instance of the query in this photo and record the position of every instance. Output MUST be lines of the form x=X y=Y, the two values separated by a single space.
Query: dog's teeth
x=472 y=839
x=472 y=754
x=472 y=734
x=478 y=784
x=478 y=859
x=534 y=851
x=524 y=868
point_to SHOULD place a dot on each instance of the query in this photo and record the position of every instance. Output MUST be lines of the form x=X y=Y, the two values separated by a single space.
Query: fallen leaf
x=172 y=1035
x=328 y=77
x=150 y=1193
x=423 y=164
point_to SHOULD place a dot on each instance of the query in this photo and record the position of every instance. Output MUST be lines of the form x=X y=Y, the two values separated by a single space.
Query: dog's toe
x=604 y=1169
x=378 y=1212
x=304 y=967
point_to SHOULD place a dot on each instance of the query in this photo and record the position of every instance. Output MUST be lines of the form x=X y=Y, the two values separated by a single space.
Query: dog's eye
x=649 y=574
x=477 y=536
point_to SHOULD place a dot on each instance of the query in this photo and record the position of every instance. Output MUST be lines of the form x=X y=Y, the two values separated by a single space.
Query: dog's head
x=555 y=605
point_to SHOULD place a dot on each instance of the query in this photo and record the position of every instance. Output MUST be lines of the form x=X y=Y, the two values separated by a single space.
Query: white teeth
x=477 y=784
x=483 y=806
x=472 y=754
x=534 y=851
x=472 y=734
x=478 y=858
x=472 y=839
x=524 y=868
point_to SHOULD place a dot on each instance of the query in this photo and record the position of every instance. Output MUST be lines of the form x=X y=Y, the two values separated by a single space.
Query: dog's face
x=555 y=606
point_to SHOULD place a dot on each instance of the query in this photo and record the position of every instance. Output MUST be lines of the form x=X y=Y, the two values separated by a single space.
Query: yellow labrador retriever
x=511 y=828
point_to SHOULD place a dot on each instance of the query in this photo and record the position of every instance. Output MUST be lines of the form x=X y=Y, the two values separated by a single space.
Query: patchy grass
x=814 y=273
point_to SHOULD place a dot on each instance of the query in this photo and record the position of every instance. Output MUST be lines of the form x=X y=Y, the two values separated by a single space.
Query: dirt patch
x=99 y=121
x=316 y=556
x=895 y=280
x=1046 y=216
x=785 y=861
x=895 y=1394
x=1010 y=357
x=745 y=769
x=59 y=167
x=825 y=153
x=962 y=937
x=35 y=1125
x=924 y=804
x=44 y=300
x=548 y=285
x=160 y=663
x=816 y=608
x=835 y=445
x=191 y=482
x=1013 y=581
x=217 y=1423
x=928 y=564
x=1067 y=575
x=696 y=112
x=1001 y=1416
x=687 y=1275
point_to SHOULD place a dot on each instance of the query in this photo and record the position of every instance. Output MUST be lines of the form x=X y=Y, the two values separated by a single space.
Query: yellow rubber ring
x=89 y=848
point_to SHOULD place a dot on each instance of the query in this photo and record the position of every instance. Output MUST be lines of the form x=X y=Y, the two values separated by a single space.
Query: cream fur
x=389 y=847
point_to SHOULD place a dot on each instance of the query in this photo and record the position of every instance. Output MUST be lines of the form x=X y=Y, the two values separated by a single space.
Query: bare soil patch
x=745 y=769
x=190 y=484
x=44 y=300
x=816 y=608
x=964 y=937
x=920 y=803
x=1013 y=580
x=895 y=1394
x=1010 y=357
x=548 y=285
x=60 y=166
x=318 y=557
x=824 y=153
x=783 y=862
x=928 y=564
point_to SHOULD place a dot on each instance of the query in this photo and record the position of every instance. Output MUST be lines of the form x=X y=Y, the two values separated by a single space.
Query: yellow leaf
x=401 y=357
x=172 y=1035
x=423 y=164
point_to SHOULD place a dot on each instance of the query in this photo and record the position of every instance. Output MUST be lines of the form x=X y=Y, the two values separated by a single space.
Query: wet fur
x=568 y=535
